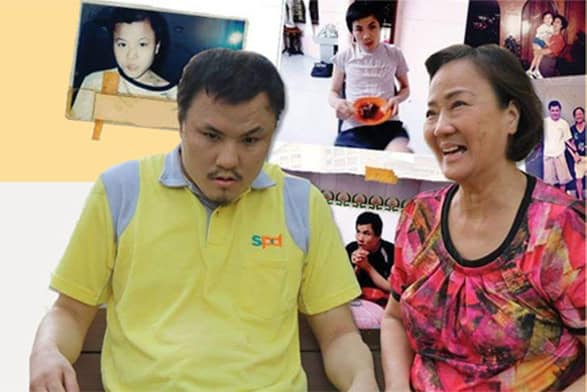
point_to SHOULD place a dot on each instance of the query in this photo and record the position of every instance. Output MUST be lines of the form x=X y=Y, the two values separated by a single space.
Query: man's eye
x=211 y=135
x=250 y=140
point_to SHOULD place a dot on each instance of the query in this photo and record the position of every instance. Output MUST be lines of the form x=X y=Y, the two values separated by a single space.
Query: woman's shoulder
x=558 y=206
x=435 y=195
x=428 y=203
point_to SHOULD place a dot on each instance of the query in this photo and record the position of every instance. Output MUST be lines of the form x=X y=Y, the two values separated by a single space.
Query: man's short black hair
x=370 y=218
x=231 y=76
x=554 y=103
x=362 y=9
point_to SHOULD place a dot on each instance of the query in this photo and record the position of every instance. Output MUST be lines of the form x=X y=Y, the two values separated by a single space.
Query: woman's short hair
x=510 y=83
x=564 y=21
x=360 y=9
x=578 y=108
x=231 y=76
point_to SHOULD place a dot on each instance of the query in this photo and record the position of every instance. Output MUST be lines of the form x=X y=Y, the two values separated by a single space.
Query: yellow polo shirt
x=198 y=302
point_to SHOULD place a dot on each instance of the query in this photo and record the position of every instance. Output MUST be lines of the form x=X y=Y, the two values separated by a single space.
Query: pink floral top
x=508 y=321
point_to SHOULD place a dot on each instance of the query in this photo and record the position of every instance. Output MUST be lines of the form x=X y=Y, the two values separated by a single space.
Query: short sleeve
x=340 y=59
x=328 y=279
x=567 y=132
x=399 y=271
x=402 y=66
x=83 y=106
x=562 y=272
x=85 y=269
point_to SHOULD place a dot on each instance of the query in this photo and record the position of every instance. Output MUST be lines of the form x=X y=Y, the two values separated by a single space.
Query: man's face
x=366 y=237
x=224 y=146
x=555 y=112
x=367 y=33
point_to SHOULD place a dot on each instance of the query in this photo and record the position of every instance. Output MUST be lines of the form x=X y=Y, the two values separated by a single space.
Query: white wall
x=423 y=27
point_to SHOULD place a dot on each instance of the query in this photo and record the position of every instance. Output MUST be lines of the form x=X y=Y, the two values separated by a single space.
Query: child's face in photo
x=135 y=47
x=547 y=19
x=367 y=32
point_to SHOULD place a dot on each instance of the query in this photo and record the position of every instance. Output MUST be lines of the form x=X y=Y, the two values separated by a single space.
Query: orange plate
x=379 y=116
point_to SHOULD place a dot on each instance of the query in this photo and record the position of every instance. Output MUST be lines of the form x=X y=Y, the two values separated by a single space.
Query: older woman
x=489 y=273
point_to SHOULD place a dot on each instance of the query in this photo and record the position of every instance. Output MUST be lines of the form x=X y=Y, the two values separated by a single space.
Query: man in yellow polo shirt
x=205 y=256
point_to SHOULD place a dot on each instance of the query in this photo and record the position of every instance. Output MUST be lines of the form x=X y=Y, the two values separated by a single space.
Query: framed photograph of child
x=129 y=60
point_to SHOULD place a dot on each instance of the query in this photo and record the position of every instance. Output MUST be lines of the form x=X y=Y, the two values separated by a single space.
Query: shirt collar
x=172 y=175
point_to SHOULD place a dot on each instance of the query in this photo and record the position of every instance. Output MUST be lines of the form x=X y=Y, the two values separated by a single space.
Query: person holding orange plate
x=363 y=89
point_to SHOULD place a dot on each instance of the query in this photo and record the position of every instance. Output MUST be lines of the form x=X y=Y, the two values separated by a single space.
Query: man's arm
x=57 y=345
x=344 y=109
x=377 y=278
x=396 y=353
x=572 y=149
x=402 y=95
x=347 y=359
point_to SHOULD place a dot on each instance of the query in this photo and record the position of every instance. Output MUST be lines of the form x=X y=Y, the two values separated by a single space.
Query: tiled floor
x=308 y=117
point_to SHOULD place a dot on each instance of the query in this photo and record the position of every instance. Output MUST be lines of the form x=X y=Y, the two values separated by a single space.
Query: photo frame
x=514 y=24
x=113 y=81
x=354 y=183
x=569 y=92
x=314 y=32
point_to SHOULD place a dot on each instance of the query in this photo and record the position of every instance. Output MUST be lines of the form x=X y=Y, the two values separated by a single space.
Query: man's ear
x=181 y=129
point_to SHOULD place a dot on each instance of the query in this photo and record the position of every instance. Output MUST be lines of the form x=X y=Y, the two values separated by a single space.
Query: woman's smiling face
x=466 y=127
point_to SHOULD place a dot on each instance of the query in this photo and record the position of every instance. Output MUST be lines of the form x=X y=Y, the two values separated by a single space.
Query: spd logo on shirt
x=265 y=241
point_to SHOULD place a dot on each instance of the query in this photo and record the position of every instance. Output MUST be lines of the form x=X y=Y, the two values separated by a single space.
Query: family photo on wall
x=548 y=36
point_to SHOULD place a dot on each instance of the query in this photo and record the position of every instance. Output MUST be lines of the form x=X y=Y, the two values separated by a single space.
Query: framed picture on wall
x=129 y=59
x=547 y=36
x=560 y=159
